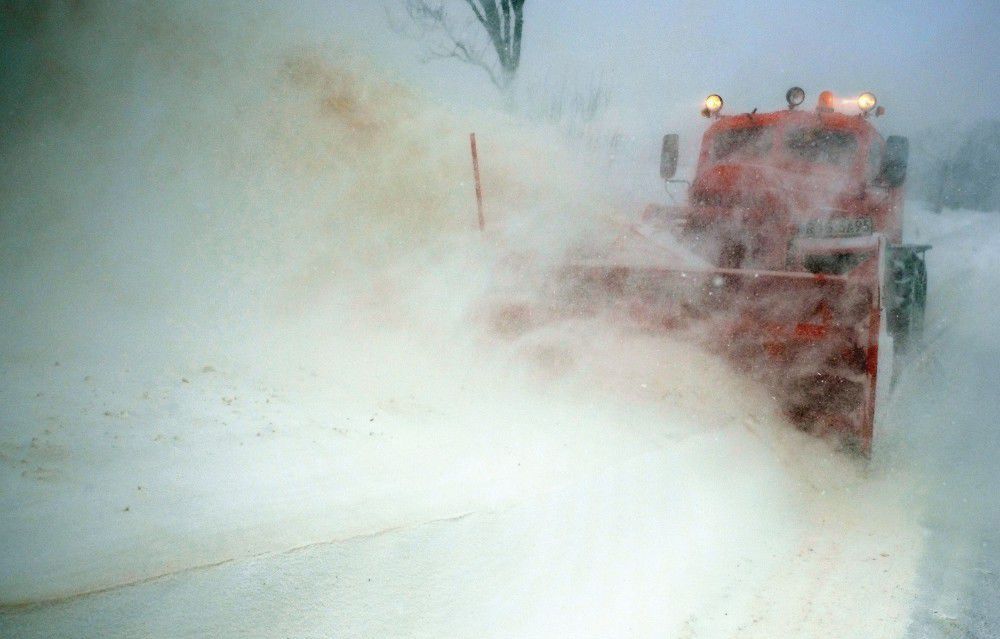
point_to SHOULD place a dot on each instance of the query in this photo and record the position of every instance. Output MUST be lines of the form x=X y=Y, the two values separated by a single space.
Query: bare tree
x=488 y=35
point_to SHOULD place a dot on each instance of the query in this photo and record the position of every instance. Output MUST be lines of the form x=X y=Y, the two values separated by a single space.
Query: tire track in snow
x=14 y=608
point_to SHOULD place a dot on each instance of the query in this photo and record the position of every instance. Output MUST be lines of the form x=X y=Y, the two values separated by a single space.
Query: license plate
x=837 y=227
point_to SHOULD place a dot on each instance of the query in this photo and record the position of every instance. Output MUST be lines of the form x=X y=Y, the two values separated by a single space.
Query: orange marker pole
x=479 y=186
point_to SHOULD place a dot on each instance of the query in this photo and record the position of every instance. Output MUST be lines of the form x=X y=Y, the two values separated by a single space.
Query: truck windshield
x=749 y=142
x=822 y=146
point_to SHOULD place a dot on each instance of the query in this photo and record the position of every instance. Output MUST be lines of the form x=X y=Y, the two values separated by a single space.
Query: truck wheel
x=906 y=320
x=919 y=296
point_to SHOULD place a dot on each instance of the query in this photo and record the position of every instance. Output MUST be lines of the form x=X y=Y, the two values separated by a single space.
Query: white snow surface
x=650 y=489
x=247 y=390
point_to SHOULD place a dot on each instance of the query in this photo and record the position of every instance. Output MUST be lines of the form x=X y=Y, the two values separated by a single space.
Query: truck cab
x=781 y=191
x=822 y=170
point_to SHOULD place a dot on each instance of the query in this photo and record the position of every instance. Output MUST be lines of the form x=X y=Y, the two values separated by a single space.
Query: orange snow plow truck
x=787 y=258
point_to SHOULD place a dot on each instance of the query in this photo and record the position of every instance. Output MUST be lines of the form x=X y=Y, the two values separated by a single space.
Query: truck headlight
x=794 y=97
x=713 y=103
x=867 y=102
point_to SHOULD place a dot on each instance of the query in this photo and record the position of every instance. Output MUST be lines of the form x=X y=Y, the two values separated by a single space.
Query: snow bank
x=240 y=273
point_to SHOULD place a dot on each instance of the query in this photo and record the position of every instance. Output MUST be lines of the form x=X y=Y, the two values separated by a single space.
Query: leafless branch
x=500 y=21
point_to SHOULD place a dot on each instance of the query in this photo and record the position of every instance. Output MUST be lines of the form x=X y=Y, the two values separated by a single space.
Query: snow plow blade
x=812 y=339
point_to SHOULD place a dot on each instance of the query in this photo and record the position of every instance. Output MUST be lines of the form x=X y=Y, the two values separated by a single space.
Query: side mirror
x=668 y=156
x=897 y=156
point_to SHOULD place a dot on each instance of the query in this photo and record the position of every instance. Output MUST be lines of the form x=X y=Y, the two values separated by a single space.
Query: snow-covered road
x=728 y=532
x=949 y=400
x=644 y=489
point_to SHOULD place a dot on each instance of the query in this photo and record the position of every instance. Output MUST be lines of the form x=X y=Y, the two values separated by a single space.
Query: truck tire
x=906 y=319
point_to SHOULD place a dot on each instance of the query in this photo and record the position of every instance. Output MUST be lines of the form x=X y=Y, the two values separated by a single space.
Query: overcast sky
x=927 y=62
